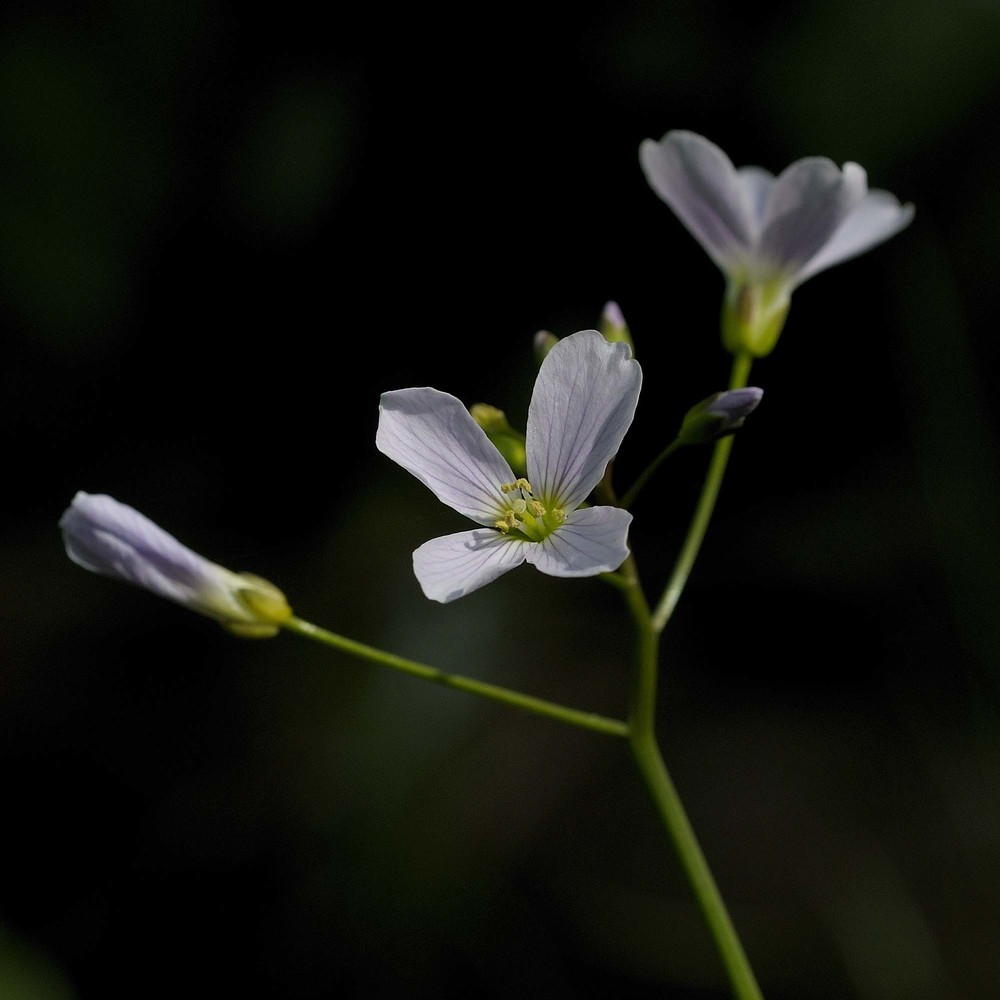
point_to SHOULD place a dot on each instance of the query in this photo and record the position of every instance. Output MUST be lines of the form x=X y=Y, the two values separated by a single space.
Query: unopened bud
x=111 y=538
x=720 y=414
x=613 y=326
x=543 y=343
x=508 y=441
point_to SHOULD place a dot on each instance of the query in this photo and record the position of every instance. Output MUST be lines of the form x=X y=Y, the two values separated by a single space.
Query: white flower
x=582 y=405
x=108 y=537
x=768 y=234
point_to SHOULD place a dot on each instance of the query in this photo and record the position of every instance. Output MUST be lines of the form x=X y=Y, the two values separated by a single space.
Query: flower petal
x=757 y=184
x=582 y=405
x=431 y=435
x=455 y=565
x=877 y=218
x=808 y=203
x=592 y=540
x=698 y=181
x=113 y=539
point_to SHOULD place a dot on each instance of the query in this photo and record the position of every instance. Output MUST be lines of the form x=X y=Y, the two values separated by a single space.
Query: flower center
x=525 y=515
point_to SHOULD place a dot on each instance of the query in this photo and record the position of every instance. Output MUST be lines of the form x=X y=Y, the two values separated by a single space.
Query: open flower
x=582 y=405
x=110 y=538
x=767 y=234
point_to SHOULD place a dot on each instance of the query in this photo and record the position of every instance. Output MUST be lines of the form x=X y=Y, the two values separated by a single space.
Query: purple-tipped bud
x=720 y=414
x=613 y=326
x=108 y=537
x=612 y=315
x=543 y=343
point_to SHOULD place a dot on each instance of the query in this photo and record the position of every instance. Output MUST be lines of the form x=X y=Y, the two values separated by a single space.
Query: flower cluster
x=767 y=234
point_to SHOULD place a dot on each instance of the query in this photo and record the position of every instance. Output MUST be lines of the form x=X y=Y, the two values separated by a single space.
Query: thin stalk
x=537 y=706
x=703 y=511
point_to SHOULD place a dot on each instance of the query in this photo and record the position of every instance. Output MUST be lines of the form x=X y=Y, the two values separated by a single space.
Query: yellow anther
x=518 y=484
x=535 y=508
x=506 y=523
x=557 y=515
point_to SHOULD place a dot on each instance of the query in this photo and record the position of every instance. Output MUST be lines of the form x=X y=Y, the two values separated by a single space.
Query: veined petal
x=877 y=218
x=592 y=540
x=113 y=539
x=582 y=405
x=452 y=566
x=808 y=203
x=757 y=183
x=698 y=181
x=431 y=435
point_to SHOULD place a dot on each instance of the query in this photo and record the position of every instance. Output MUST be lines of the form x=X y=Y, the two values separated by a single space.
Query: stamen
x=536 y=509
x=518 y=484
x=506 y=523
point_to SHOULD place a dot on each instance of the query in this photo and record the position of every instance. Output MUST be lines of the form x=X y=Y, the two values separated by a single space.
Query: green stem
x=642 y=739
x=703 y=512
x=642 y=735
x=668 y=805
x=538 y=706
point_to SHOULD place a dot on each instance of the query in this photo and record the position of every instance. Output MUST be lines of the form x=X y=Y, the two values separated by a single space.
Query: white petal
x=431 y=435
x=111 y=538
x=582 y=405
x=808 y=203
x=877 y=218
x=757 y=184
x=593 y=540
x=454 y=565
x=698 y=181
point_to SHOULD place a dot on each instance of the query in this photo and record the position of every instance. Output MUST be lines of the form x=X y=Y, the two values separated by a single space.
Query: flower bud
x=508 y=441
x=543 y=343
x=108 y=537
x=720 y=414
x=613 y=326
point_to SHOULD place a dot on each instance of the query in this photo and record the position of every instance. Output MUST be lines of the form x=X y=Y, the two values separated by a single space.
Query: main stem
x=642 y=734
x=642 y=739
x=689 y=853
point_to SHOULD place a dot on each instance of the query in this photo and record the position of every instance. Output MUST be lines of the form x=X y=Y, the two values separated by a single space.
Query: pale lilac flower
x=582 y=405
x=768 y=234
x=108 y=537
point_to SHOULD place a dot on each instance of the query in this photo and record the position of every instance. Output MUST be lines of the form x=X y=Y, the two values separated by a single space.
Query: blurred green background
x=224 y=233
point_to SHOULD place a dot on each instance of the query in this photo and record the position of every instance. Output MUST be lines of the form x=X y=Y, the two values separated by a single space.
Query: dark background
x=222 y=235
